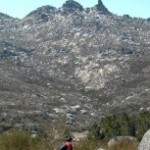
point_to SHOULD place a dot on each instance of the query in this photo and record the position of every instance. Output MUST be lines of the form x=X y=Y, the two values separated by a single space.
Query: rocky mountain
x=75 y=62
x=101 y=8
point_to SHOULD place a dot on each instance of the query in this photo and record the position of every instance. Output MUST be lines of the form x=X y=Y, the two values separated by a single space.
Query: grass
x=50 y=138
x=13 y=140
x=86 y=144
x=20 y=140
x=124 y=145
x=95 y=144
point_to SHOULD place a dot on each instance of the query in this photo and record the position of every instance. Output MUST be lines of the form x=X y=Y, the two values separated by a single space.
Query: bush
x=15 y=140
x=142 y=124
x=121 y=125
x=50 y=139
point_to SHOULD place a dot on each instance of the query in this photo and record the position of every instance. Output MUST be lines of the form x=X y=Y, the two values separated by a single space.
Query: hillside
x=75 y=62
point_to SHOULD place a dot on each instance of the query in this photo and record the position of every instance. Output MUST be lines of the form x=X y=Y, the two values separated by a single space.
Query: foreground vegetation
x=121 y=125
x=20 y=140
x=99 y=134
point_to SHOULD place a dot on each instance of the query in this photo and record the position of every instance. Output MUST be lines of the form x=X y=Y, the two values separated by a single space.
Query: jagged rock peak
x=42 y=10
x=71 y=6
x=101 y=8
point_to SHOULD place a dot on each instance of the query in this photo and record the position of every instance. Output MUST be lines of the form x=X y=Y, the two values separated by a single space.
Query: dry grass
x=125 y=145
x=86 y=144
x=15 y=141
x=51 y=138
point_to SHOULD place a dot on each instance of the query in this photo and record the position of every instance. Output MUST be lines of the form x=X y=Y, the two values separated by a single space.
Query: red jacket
x=69 y=145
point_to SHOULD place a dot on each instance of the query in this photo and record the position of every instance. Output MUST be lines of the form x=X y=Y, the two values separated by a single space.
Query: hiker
x=68 y=145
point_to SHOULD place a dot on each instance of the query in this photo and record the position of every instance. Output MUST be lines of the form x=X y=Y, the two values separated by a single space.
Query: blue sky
x=20 y=8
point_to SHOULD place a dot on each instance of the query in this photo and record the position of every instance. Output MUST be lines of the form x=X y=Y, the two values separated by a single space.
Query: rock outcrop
x=71 y=6
x=41 y=15
x=145 y=142
x=101 y=8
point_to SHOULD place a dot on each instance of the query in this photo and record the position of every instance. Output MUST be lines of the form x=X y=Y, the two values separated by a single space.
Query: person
x=68 y=145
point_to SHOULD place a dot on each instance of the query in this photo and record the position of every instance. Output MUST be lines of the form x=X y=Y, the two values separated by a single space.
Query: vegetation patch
x=121 y=125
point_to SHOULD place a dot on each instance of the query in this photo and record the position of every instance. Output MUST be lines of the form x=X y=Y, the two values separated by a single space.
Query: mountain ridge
x=81 y=64
x=99 y=7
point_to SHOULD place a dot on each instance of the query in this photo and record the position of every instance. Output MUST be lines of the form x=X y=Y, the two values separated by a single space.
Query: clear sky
x=20 y=8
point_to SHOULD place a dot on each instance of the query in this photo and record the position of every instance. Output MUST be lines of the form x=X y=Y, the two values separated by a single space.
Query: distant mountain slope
x=74 y=61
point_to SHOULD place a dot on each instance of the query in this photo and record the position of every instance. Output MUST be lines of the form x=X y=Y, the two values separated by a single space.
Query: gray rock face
x=145 y=142
x=101 y=8
x=71 y=6
x=70 y=60
x=42 y=14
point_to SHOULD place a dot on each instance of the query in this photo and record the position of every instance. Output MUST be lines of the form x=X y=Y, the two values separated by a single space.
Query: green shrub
x=121 y=125
x=142 y=124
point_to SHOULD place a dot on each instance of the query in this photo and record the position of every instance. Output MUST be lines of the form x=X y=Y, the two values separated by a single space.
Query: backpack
x=64 y=148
